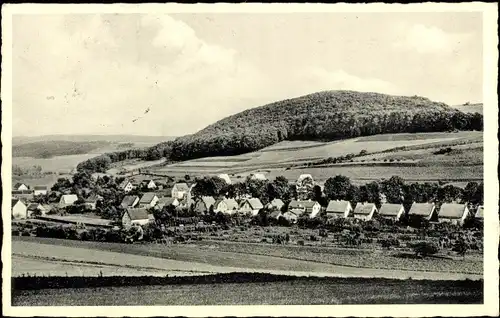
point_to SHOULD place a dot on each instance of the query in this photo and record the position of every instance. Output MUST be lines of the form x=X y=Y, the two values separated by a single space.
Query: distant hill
x=327 y=115
x=470 y=108
x=53 y=148
x=91 y=138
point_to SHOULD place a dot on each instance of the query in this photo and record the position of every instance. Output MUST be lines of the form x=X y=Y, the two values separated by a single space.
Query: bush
x=423 y=249
x=300 y=242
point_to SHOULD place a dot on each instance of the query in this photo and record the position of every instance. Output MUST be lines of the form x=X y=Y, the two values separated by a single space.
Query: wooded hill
x=327 y=115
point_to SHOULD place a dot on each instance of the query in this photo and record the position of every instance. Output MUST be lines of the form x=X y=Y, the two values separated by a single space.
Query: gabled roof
x=258 y=176
x=124 y=183
x=295 y=204
x=69 y=198
x=15 y=201
x=364 y=208
x=480 y=212
x=147 y=197
x=40 y=187
x=138 y=214
x=275 y=214
x=209 y=201
x=255 y=203
x=423 y=209
x=232 y=204
x=309 y=204
x=166 y=201
x=390 y=209
x=182 y=186
x=128 y=200
x=452 y=210
x=34 y=206
x=277 y=203
x=335 y=206
x=18 y=184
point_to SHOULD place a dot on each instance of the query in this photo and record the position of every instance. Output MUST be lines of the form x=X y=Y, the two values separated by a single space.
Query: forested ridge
x=327 y=115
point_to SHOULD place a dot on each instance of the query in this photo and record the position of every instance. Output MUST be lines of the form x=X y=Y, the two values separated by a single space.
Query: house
x=148 y=200
x=453 y=213
x=225 y=177
x=20 y=187
x=297 y=206
x=35 y=209
x=180 y=190
x=479 y=213
x=425 y=210
x=47 y=208
x=23 y=194
x=129 y=201
x=19 y=209
x=391 y=211
x=167 y=201
x=135 y=217
x=258 y=176
x=148 y=184
x=252 y=206
x=67 y=200
x=276 y=203
x=312 y=208
x=40 y=190
x=290 y=217
x=228 y=206
x=364 y=211
x=275 y=214
x=203 y=204
x=338 y=209
x=91 y=203
x=126 y=186
x=305 y=177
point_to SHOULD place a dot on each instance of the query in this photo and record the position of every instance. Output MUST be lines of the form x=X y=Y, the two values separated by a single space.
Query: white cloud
x=430 y=39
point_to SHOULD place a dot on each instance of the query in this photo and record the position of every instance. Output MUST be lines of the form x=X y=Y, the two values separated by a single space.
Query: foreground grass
x=242 y=289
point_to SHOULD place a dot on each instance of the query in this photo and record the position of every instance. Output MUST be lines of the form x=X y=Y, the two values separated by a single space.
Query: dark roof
x=335 y=206
x=390 y=209
x=423 y=209
x=364 y=208
x=147 y=197
x=128 y=200
x=182 y=186
x=451 y=210
x=138 y=214
x=22 y=192
x=18 y=184
x=40 y=187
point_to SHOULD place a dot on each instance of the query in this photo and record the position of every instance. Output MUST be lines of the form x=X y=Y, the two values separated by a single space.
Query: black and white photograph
x=250 y=155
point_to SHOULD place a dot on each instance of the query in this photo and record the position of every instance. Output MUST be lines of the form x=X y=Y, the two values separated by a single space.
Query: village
x=164 y=209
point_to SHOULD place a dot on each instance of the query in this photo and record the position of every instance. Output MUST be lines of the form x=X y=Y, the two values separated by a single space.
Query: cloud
x=100 y=81
x=430 y=39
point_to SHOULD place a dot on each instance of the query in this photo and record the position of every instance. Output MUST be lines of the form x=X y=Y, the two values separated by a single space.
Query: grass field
x=279 y=159
x=296 y=292
x=233 y=256
x=62 y=164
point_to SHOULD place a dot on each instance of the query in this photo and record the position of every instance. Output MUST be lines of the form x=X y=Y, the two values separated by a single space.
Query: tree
x=61 y=185
x=279 y=188
x=393 y=189
x=460 y=247
x=449 y=193
x=338 y=187
x=209 y=186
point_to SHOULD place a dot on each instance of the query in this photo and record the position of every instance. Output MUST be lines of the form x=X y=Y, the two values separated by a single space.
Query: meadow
x=299 y=291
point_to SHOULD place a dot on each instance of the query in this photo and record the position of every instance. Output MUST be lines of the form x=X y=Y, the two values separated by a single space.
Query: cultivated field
x=222 y=257
x=295 y=292
x=282 y=158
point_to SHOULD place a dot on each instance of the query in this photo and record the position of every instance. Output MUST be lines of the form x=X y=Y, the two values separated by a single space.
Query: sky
x=170 y=75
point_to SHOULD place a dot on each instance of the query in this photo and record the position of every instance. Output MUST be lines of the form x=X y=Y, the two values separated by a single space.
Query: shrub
x=300 y=242
x=424 y=248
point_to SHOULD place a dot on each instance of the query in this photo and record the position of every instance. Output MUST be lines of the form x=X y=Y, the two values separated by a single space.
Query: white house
x=36 y=208
x=180 y=190
x=149 y=184
x=203 y=204
x=228 y=206
x=276 y=203
x=129 y=201
x=298 y=207
x=20 y=187
x=225 y=177
x=67 y=200
x=251 y=206
x=338 y=209
x=135 y=217
x=40 y=190
x=258 y=176
x=290 y=217
x=425 y=210
x=126 y=186
x=391 y=211
x=19 y=209
x=148 y=200
x=453 y=213
x=364 y=211
x=167 y=201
